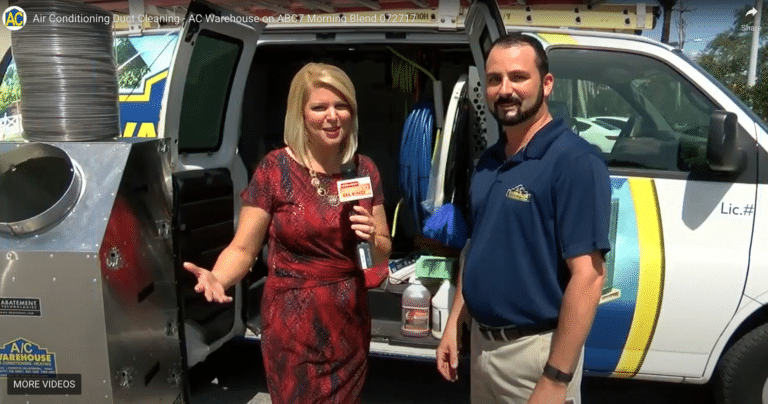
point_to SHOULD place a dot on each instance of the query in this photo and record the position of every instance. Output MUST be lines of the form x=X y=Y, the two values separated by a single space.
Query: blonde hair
x=311 y=76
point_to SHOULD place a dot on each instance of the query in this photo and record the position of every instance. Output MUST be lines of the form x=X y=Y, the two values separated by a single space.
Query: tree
x=10 y=90
x=667 y=6
x=727 y=57
x=759 y=95
x=134 y=69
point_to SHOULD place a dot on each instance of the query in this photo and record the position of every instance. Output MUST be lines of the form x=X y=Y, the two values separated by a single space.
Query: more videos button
x=41 y=384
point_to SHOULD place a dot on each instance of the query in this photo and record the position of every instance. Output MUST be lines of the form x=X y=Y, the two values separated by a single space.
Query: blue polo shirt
x=548 y=202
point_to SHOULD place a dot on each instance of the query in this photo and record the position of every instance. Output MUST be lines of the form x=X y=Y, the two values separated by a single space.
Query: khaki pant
x=507 y=372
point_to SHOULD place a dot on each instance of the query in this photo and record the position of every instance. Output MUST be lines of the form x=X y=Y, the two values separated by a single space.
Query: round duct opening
x=39 y=185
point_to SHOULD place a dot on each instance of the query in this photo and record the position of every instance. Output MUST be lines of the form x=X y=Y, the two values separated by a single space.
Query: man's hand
x=548 y=392
x=448 y=352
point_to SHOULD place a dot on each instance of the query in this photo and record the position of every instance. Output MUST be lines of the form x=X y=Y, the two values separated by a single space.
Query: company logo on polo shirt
x=519 y=193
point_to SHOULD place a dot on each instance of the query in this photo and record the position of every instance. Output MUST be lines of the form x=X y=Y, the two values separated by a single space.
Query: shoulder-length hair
x=311 y=76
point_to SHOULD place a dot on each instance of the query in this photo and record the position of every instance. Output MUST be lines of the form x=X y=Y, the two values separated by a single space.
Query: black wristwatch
x=555 y=374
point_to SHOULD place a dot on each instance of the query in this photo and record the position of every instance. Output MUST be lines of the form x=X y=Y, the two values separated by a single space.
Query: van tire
x=742 y=376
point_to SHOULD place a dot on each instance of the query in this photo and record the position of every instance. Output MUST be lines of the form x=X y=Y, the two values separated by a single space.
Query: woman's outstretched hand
x=208 y=284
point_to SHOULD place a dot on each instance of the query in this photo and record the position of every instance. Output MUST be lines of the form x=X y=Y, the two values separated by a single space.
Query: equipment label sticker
x=12 y=306
x=21 y=356
x=355 y=189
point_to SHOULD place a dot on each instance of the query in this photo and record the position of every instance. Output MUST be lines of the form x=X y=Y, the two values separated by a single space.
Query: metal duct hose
x=67 y=72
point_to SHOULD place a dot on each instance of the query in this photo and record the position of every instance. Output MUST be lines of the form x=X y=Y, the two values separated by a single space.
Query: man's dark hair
x=518 y=39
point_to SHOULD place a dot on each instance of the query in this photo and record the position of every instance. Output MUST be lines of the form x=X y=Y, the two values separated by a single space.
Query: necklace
x=333 y=200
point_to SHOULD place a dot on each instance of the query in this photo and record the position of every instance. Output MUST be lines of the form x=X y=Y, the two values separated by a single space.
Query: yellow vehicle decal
x=651 y=277
x=147 y=129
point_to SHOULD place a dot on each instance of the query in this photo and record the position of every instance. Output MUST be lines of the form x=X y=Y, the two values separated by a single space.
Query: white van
x=686 y=299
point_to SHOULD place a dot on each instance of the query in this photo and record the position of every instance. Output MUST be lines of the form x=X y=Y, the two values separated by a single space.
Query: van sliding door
x=202 y=117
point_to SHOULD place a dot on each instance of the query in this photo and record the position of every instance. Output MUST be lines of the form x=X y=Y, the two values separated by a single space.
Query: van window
x=139 y=58
x=142 y=69
x=638 y=111
x=206 y=91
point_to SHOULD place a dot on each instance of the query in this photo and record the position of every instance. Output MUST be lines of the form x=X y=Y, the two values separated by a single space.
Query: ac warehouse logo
x=14 y=18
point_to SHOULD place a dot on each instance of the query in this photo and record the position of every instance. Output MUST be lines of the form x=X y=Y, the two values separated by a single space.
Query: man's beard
x=522 y=114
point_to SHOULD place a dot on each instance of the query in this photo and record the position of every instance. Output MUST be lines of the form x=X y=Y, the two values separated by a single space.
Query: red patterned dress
x=316 y=324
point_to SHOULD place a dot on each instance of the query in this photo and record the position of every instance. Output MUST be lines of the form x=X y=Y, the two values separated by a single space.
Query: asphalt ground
x=234 y=374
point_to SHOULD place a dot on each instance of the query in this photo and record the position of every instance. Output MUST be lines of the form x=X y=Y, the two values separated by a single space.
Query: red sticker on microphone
x=354 y=189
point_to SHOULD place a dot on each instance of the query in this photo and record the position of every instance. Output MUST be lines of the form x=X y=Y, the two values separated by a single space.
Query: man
x=534 y=268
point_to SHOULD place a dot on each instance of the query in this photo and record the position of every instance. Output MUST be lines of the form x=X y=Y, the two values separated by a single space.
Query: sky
x=706 y=19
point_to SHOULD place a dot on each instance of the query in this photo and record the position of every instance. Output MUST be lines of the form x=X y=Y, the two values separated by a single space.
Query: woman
x=314 y=309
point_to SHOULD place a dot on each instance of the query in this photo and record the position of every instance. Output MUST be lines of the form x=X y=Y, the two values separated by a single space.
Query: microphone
x=363 y=248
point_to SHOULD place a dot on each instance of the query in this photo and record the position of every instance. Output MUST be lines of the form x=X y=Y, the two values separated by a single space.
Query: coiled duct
x=67 y=72
x=415 y=152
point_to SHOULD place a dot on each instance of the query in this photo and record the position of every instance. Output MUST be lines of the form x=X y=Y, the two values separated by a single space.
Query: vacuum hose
x=415 y=156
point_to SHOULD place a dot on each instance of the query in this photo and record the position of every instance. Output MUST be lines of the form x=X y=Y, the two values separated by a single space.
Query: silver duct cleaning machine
x=88 y=305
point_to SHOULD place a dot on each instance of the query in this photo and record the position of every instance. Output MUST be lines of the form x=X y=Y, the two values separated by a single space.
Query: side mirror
x=723 y=152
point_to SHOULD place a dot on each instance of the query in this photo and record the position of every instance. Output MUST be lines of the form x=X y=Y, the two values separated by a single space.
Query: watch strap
x=555 y=374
